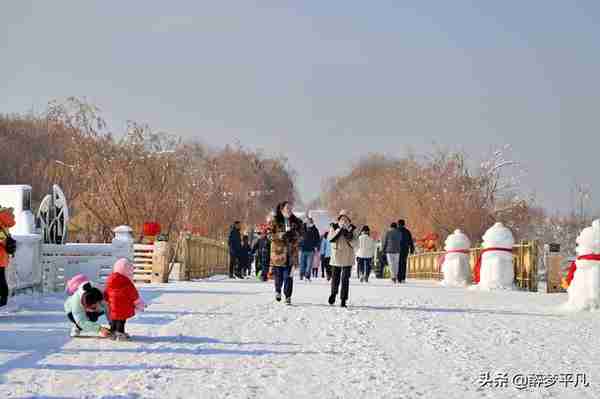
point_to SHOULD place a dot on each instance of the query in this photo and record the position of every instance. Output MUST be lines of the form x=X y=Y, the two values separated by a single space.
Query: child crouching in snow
x=84 y=308
x=122 y=297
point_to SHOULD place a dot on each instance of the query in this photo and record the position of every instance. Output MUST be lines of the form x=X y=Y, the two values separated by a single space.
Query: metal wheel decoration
x=53 y=217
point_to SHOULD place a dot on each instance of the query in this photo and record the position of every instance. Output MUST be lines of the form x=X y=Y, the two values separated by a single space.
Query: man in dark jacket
x=235 y=250
x=407 y=247
x=262 y=252
x=311 y=241
x=392 y=247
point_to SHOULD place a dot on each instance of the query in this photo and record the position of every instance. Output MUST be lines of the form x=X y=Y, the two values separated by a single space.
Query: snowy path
x=226 y=339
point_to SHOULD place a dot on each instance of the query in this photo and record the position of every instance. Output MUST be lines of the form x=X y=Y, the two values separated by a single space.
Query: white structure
x=497 y=268
x=18 y=197
x=60 y=262
x=24 y=269
x=584 y=291
x=456 y=268
x=47 y=267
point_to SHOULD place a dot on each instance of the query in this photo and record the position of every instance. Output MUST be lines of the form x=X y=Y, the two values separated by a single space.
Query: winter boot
x=75 y=332
x=278 y=297
x=288 y=300
x=119 y=336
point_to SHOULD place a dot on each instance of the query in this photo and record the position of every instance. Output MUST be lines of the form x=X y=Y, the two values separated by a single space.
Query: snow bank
x=229 y=339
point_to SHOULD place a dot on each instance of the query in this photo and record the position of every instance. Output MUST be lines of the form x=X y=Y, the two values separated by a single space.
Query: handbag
x=10 y=244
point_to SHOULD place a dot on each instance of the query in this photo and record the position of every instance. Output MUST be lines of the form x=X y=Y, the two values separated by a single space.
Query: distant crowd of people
x=289 y=243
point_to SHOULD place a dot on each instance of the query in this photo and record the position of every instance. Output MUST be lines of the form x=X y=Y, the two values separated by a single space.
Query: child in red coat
x=122 y=297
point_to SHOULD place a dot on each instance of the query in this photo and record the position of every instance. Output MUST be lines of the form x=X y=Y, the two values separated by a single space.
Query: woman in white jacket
x=342 y=236
x=365 y=254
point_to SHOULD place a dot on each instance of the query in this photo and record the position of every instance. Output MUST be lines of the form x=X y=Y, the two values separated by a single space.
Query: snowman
x=455 y=263
x=584 y=290
x=494 y=268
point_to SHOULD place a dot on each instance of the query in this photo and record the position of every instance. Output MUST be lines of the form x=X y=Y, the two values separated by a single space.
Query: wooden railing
x=427 y=266
x=201 y=257
x=143 y=254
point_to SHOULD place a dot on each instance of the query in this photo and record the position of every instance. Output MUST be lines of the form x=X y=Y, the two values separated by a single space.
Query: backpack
x=10 y=245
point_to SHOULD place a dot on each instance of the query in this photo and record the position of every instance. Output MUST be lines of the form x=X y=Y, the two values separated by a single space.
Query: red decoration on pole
x=151 y=229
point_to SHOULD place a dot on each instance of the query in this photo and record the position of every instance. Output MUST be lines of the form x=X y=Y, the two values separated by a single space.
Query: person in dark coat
x=262 y=253
x=235 y=250
x=311 y=240
x=407 y=247
x=245 y=256
x=392 y=247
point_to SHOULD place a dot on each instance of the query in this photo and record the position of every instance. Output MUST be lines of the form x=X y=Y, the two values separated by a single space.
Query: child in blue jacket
x=84 y=308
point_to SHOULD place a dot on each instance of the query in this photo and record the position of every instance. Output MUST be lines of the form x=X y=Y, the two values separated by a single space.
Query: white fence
x=47 y=267
x=61 y=262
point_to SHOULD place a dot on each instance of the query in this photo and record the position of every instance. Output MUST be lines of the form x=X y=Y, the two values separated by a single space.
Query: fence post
x=160 y=262
x=123 y=243
x=49 y=279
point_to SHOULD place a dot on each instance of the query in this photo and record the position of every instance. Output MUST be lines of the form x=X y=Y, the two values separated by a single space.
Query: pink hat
x=74 y=283
x=124 y=267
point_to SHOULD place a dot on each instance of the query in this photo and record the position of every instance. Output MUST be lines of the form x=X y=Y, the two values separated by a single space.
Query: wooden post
x=553 y=272
x=160 y=262
x=185 y=258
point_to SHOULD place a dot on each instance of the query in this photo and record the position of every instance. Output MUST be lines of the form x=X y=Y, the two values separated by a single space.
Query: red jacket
x=120 y=294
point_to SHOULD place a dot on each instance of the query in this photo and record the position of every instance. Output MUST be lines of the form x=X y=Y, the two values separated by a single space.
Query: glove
x=104 y=332
x=140 y=305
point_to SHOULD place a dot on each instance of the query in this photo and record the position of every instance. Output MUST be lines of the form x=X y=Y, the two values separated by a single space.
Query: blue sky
x=328 y=82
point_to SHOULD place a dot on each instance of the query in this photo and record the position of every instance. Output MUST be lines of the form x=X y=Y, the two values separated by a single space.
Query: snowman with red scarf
x=494 y=268
x=584 y=290
x=455 y=262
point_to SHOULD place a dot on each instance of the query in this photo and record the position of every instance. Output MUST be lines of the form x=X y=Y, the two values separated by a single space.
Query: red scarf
x=573 y=265
x=442 y=258
x=477 y=268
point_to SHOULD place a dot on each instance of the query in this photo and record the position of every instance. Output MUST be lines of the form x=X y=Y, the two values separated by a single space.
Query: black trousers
x=234 y=266
x=283 y=277
x=3 y=287
x=325 y=268
x=117 y=326
x=340 y=275
x=402 y=268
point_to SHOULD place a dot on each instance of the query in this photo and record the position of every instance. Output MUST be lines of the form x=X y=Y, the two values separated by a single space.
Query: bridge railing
x=525 y=254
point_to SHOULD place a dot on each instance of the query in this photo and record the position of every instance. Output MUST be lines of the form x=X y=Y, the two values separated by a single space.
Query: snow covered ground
x=229 y=339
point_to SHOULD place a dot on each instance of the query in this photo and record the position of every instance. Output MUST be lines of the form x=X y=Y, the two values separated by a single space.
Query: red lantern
x=151 y=229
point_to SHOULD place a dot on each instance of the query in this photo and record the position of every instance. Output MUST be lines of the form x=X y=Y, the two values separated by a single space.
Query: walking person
x=245 y=256
x=316 y=263
x=310 y=243
x=262 y=253
x=392 y=246
x=235 y=249
x=325 y=252
x=365 y=254
x=342 y=236
x=407 y=247
x=286 y=230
